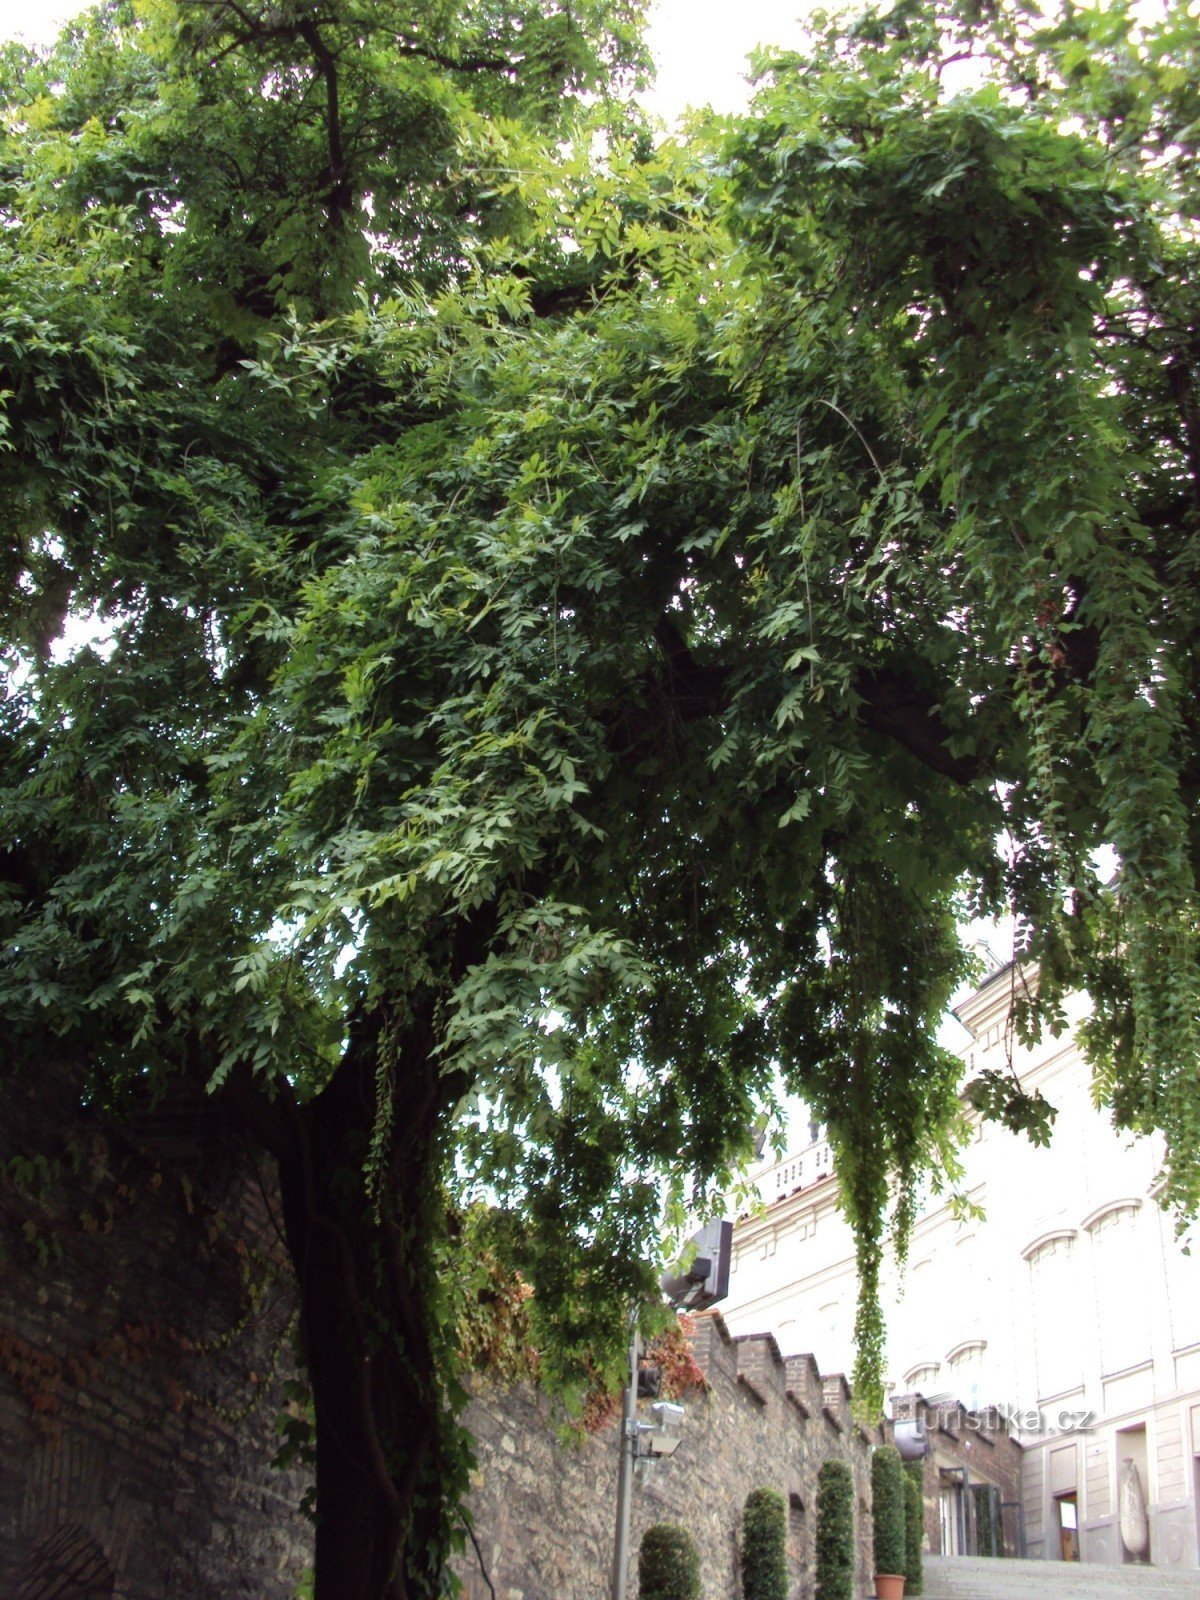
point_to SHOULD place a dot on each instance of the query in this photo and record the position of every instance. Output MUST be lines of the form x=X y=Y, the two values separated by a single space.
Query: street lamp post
x=628 y=1445
x=698 y=1286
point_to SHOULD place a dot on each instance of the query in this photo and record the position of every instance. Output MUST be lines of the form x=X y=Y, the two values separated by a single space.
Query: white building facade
x=1069 y=1304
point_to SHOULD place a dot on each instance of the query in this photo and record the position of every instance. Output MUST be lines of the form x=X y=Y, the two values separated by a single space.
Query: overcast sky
x=700 y=45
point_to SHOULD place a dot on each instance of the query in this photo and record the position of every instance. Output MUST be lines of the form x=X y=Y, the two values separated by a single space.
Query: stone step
x=975 y=1578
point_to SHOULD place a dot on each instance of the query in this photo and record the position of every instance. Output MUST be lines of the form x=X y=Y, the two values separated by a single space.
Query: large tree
x=581 y=626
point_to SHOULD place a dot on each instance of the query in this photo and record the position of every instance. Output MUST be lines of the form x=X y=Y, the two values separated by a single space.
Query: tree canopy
x=577 y=621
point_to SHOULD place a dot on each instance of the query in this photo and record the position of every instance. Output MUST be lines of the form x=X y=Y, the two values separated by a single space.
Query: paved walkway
x=970 y=1578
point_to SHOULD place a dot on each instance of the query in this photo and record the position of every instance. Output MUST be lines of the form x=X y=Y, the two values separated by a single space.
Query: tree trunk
x=368 y=1325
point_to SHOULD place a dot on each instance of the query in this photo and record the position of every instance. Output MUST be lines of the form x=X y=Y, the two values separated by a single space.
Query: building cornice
x=820 y=1193
x=992 y=998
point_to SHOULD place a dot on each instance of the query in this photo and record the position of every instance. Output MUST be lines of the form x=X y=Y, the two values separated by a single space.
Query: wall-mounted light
x=912 y=1438
x=662 y=1437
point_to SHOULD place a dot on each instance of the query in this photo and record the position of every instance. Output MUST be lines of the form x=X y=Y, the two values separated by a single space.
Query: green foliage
x=1019 y=472
x=668 y=1564
x=989 y=1531
x=571 y=627
x=888 y=1509
x=999 y=1096
x=764 y=1546
x=914 y=1526
x=835 y=1531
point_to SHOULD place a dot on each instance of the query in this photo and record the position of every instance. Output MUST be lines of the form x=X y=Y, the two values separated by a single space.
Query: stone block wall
x=144 y=1312
x=545 y=1514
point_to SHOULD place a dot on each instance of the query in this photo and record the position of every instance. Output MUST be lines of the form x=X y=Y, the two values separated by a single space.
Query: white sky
x=32 y=20
x=700 y=45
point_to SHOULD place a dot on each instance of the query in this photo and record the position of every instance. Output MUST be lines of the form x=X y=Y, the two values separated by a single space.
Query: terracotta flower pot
x=889 y=1586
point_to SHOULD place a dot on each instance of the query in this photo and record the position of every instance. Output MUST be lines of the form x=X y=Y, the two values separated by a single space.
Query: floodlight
x=706 y=1279
x=912 y=1438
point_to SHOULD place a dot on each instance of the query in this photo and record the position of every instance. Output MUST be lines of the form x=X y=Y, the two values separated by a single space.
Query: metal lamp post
x=697 y=1287
x=628 y=1448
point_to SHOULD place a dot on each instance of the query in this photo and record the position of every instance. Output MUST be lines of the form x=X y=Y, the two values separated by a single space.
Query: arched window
x=965 y=1365
x=1182 y=1276
x=1054 y=1287
x=922 y=1379
x=1119 y=1266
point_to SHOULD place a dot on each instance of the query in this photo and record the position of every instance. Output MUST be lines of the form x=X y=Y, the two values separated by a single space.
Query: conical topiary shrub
x=887 y=1509
x=835 y=1532
x=764 y=1546
x=668 y=1564
x=914 y=1527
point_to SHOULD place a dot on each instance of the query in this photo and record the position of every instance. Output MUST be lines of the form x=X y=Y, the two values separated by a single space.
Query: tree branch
x=892 y=705
x=339 y=189
x=1183 y=392
x=408 y=46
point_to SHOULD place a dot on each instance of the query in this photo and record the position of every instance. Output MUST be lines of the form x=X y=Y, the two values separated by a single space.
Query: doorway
x=950 y=1508
x=1067 y=1506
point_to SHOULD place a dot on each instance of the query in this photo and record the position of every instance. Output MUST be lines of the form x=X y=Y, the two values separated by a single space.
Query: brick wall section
x=978 y=1441
x=545 y=1515
x=130 y=1344
x=805 y=1384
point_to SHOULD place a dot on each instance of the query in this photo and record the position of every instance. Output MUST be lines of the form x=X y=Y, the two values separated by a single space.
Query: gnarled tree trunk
x=365 y=1274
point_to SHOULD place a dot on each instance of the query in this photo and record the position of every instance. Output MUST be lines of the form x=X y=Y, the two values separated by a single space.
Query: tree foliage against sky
x=582 y=623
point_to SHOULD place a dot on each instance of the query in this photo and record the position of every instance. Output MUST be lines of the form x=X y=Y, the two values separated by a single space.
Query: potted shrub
x=914 y=1527
x=764 y=1546
x=835 y=1532
x=888 y=1518
x=668 y=1564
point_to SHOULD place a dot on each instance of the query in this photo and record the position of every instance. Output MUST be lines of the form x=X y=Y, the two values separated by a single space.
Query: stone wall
x=143 y=1307
x=545 y=1514
x=145 y=1304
